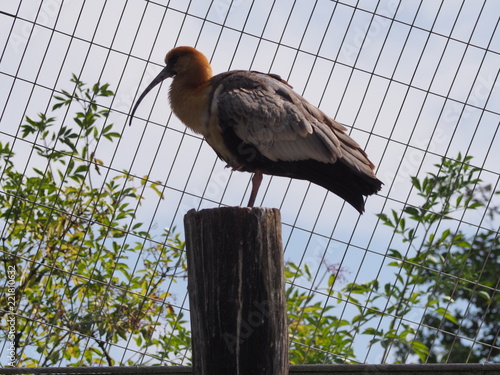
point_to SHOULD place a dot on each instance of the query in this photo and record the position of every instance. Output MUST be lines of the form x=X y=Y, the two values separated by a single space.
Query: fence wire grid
x=415 y=82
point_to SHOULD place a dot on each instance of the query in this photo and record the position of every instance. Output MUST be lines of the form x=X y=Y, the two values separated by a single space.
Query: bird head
x=183 y=64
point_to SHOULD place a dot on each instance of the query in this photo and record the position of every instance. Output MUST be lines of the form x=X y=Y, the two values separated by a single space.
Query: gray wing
x=264 y=111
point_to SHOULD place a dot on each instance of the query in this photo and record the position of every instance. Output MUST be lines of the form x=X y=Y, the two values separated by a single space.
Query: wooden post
x=236 y=291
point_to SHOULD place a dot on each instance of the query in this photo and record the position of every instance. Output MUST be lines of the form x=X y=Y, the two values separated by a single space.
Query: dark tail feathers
x=339 y=178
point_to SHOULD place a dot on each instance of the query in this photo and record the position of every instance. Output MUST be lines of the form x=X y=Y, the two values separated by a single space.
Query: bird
x=257 y=123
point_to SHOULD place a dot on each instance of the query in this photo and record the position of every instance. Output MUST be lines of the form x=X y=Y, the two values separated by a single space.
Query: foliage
x=458 y=266
x=316 y=335
x=441 y=271
x=319 y=336
x=69 y=242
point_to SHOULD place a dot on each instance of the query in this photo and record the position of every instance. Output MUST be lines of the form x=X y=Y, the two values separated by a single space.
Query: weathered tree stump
x=236 y=291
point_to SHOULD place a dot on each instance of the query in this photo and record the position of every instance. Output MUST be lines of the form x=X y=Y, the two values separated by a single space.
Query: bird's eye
x=173 y=60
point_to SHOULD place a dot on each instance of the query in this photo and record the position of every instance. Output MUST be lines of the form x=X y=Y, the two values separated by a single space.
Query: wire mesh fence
x=91 y=215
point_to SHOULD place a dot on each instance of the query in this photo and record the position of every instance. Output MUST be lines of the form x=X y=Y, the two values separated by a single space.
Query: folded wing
x=265 y=112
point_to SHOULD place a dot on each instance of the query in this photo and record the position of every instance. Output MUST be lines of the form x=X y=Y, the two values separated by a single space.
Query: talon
x=237 y=168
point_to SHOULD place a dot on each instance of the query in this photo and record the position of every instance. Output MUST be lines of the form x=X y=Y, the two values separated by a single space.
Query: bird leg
x=256 y=180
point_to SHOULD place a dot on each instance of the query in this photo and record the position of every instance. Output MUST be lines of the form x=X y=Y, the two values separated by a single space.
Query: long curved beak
x=164 y=74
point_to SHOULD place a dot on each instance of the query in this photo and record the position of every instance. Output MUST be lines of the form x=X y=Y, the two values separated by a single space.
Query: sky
x=413 y=81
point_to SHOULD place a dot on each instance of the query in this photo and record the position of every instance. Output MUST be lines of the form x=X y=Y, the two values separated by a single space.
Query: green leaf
x=373 y=331
x=82 y=168
x=413 y=211
x=395 y=216
x=444 y=235
x=446 y=314
x=474 y=205
x=416 y=183
x=484 y=295
x=395 y=254
x=331 y=280
x=385 y=219
x=420 y=349
x=154 y=186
